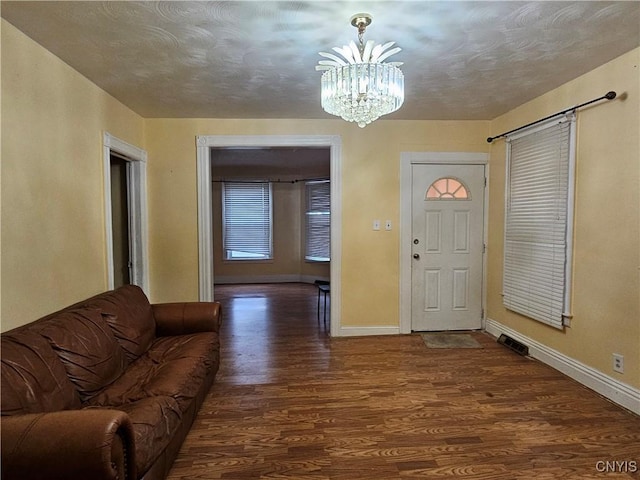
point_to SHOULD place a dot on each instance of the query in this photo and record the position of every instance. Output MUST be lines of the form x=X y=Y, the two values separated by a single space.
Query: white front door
x=447 y=246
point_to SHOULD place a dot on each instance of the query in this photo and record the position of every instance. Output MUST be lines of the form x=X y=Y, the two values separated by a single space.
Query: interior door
x=447 y=247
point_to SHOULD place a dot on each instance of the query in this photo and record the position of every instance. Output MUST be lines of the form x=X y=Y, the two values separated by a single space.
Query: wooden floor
x=290 y=402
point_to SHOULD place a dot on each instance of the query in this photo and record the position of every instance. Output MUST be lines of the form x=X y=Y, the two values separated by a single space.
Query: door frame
x=204 y=143
x=407 y=160
x=138 y=216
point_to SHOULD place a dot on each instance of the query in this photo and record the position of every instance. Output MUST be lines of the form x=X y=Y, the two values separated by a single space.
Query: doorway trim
x=138 y=216
x=204 y=143
x=407 y=159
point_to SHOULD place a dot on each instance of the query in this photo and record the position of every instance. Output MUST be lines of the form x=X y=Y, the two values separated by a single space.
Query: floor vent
x=514 y=345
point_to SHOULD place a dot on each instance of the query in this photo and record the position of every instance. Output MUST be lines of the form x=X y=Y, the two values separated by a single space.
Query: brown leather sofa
x=105 y=389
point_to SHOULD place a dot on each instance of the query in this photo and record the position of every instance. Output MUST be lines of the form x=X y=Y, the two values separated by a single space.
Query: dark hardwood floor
x=290 y=402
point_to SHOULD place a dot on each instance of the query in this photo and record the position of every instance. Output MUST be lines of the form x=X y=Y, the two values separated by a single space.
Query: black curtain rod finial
x=610 y=95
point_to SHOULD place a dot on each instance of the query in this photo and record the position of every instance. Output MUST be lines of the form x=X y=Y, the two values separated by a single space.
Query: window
x=246 y=220
x=318 y=221
x=538 y=222
x=447 y=189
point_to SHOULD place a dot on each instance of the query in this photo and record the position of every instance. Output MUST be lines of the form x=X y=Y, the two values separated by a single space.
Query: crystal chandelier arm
x=333 y=57
x=356 y=52
x=345 y=52
x=328 y=63
x=378 y=51
x=387 y=54
x=367 y=51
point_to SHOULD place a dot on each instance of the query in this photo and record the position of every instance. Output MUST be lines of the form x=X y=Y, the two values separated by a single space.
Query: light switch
x=376 y=224
x=387 y=225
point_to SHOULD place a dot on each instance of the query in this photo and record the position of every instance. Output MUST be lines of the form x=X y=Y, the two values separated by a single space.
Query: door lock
x=416 y=256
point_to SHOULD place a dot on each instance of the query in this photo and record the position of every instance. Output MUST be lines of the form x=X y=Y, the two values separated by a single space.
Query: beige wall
x=606 y=288
x=53 y=234
x=370 y=190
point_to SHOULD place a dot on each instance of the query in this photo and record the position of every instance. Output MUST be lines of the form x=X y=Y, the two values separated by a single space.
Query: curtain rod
x=609 y=96
x=231 y=180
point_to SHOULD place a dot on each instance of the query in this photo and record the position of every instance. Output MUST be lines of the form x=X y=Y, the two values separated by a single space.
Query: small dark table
x=324 y=289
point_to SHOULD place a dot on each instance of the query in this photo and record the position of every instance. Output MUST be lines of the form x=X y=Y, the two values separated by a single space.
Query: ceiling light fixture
x=359 y=87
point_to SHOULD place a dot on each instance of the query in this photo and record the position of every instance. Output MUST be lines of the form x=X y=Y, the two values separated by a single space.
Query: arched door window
x=447 y=188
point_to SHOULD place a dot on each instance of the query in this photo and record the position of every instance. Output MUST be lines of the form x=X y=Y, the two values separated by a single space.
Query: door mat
x=449 y=340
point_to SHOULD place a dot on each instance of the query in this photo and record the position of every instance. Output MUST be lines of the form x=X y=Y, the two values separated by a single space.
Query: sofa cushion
x=129 y=314
x=155 y=421
x=34 y=379
x=87 y=348
x=173 y=366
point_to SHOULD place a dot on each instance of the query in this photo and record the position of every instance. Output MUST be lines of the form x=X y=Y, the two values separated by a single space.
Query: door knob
x=416 y=256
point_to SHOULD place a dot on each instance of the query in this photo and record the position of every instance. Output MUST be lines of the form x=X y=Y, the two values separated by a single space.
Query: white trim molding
x=407 y=159
x=204 y=144
x=283 y=278
x=367 y=331
x=618 y=392
x=137 y=195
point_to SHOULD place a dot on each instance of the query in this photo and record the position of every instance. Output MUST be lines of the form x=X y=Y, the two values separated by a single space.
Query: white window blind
x=247 y=220
x=318 y=221
x=538 y=222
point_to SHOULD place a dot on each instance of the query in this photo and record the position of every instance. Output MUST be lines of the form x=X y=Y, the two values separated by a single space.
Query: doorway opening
x=125 y=191
x=120 y=218
x=271 y=214
x=208 y=146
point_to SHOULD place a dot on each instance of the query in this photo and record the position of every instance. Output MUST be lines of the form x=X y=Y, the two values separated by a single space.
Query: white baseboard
x=231 y=279
x=365 y=331
x=618 y=392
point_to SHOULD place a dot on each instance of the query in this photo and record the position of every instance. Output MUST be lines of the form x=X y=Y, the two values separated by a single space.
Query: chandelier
x=358 y=86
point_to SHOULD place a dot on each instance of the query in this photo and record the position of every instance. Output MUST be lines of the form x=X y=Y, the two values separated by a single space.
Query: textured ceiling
x=256 y=59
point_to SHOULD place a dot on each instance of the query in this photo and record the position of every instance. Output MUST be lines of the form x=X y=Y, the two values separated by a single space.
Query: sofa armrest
x=69 y=444
x=186 y=317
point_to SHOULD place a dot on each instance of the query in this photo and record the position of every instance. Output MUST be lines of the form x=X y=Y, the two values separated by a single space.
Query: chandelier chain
x=362 y=26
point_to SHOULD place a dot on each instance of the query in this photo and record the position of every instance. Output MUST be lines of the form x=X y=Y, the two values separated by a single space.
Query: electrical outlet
x=618 y=363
